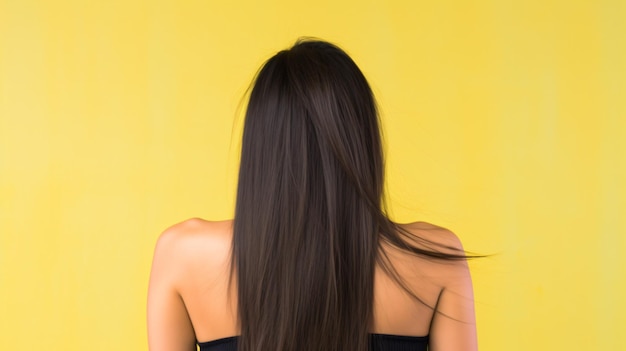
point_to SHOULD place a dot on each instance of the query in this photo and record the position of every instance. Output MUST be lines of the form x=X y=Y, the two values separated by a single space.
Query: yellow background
x=504 y=121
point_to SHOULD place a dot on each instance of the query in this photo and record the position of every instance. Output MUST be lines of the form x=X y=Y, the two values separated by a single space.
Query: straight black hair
x=309 y=216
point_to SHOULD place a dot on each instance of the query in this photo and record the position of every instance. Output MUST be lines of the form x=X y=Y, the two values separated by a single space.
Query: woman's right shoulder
x=428 y=236
x=454 y=328
x=434 y=237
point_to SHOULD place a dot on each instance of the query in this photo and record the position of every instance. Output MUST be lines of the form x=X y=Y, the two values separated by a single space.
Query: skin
x=189 y=300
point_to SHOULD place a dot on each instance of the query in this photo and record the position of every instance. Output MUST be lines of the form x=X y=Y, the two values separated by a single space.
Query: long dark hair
x=309 y=215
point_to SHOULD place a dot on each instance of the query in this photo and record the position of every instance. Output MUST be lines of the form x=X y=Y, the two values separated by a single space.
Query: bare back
x=212 y=309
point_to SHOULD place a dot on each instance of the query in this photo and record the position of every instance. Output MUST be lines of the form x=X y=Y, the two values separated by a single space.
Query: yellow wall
x=505 y=121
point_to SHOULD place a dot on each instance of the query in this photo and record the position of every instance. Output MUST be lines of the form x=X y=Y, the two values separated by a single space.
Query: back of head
x=308 y=209
x=312 y=100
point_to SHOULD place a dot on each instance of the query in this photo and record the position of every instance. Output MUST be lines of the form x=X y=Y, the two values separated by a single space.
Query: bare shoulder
x=186 y=255
x=191 y=232
x=193 y=244
x=453 y=326
x=442 y=272
x=435 y=237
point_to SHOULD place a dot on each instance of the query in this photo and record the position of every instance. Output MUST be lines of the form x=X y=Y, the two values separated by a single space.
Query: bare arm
x=454 y=322
x=169 y=326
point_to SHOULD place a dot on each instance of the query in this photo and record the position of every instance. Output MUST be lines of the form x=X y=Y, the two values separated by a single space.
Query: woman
x=310 y=261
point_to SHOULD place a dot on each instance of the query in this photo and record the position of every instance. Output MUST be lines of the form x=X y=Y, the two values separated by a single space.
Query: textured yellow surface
x=505 y=121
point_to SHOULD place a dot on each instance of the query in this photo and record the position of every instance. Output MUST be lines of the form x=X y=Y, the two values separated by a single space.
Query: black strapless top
x=378 y=342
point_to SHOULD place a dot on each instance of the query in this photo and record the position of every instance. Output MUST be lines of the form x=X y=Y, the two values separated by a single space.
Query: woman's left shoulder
x=191 y=232
x=192 y=243
x=187 y=255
